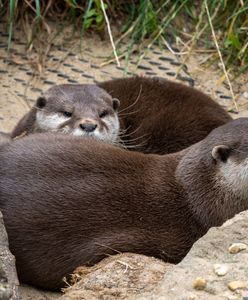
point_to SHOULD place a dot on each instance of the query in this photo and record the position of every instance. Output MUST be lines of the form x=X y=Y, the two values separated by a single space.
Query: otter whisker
x=135 y=146
x=127 y=146
x=136 y=100
x=135 y=139
x=131 y=133
x=128 y=113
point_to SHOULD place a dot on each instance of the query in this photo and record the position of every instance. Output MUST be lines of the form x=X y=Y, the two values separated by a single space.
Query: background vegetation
x=187 y=24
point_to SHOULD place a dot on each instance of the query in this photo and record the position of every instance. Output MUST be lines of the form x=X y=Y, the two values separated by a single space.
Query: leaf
x=99 y=19
x=233 y=40
x=88 y=23
x=90 y=13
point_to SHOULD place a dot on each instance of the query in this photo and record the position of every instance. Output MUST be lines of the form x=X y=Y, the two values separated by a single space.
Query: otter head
x=230 y=156
x=80 y=110
x=214 y=173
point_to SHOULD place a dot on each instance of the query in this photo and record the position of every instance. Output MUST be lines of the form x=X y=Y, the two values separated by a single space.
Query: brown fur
x=68 y=202
x=162 y=116
x=156 y=115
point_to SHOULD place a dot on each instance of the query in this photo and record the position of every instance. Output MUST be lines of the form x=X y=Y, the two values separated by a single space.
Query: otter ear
x=221 y=153
x=41 y=102
x=115 y=103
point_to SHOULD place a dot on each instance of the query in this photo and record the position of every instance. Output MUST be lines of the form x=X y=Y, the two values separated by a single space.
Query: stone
x=235 y=285
x=8 y=277
x=245 y=94
x=199 y=283
x=237 y=247
x=31 y=293
x=117 y=277
x=220 y=269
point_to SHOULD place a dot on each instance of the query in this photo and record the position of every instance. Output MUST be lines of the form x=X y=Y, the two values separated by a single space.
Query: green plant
x=146 y=22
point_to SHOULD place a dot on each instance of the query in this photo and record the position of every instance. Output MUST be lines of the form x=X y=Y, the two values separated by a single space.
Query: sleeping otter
x=68 y=202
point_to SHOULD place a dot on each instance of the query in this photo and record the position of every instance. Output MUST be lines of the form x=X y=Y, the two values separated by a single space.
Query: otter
x=156 y=115
x=68 y=202
x=80 y=110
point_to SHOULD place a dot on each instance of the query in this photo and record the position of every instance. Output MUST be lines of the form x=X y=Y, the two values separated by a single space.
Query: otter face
x=80 y=110
x=232 y=162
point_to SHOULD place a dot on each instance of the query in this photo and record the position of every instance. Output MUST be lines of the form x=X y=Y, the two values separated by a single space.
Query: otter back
x=161 y=116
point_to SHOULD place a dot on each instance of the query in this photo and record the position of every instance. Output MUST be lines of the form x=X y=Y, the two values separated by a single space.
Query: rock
x=30 y=293
x=209 y=251
x=117 y=277
x=220 y=270
x=245 y=94
x=237 y=247
x=8 y=277
x=235 y=285
x=199 y=283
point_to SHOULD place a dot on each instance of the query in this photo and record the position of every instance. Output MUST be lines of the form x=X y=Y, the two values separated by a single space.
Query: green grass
x=146 y=22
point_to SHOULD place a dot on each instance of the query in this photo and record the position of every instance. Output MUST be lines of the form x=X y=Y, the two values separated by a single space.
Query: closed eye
x=103 y=114
x=66 y=114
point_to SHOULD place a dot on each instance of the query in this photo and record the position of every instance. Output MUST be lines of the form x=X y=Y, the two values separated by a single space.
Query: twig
x=126 y=265
x=110 y=34
x=220 y=55
x=167 y=45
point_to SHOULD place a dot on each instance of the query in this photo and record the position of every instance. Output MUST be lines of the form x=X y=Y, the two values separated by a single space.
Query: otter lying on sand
x=68 y=202
x=155 y=115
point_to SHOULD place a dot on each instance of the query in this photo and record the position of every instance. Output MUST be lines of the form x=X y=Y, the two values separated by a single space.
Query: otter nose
x=88 y=127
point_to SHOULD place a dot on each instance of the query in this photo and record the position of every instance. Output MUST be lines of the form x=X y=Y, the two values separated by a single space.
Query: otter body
x=161 y=116
x=155 y=115
x=68 y=202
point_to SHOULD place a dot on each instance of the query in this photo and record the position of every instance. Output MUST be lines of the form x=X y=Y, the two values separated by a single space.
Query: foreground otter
x=68 y=202
x=156 y=115
x=80 y=110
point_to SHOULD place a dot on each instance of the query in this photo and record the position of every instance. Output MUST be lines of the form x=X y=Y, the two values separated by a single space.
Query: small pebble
x=220 y=270
x=235 y=285
x=237 y=247
x=245 y=94
x=199 y=283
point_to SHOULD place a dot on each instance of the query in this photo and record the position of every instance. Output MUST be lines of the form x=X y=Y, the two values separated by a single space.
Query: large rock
x=215 y=268
x=28 y=292
x=117 y=277
x=8 y=278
